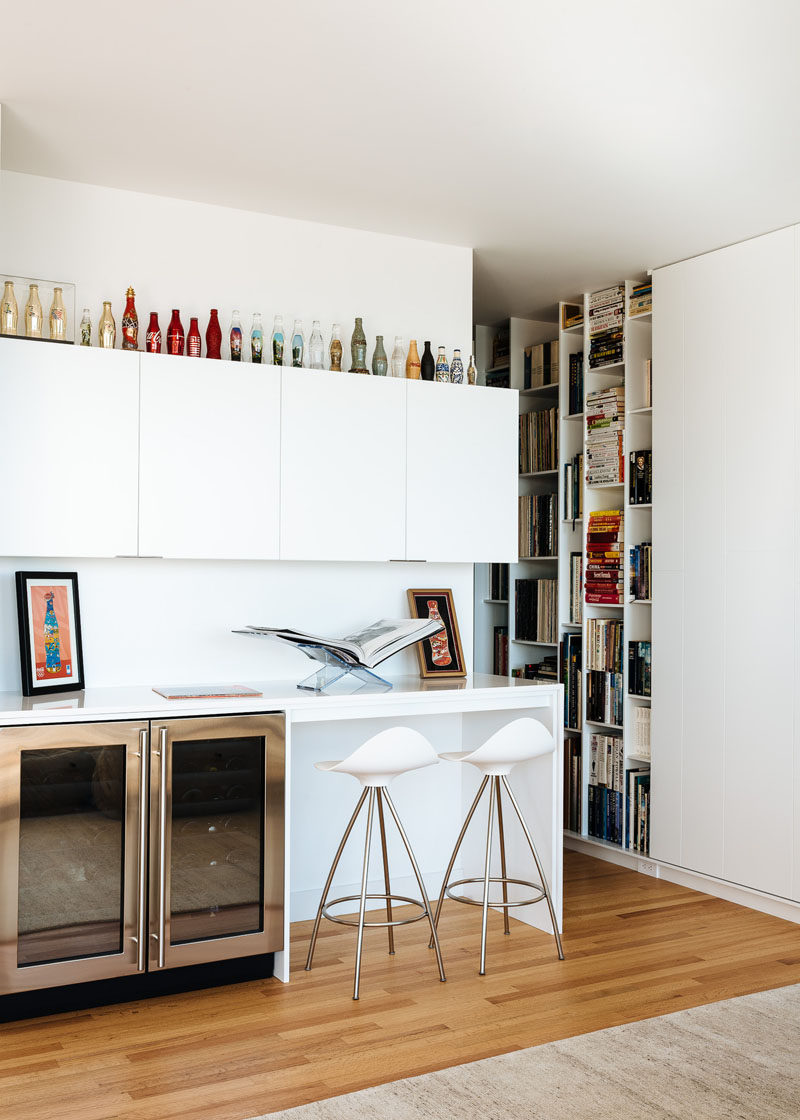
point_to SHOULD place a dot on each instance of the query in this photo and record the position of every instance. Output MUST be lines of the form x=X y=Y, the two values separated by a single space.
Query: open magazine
x=367 y=647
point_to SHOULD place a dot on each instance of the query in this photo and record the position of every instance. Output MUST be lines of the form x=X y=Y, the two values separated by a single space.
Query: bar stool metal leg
x=420 y=883
x=363 y=904
x=386 y=881
x=539 y=868
x=329 y=880
x=506 y=929
x=486 y=874
x=451 y=864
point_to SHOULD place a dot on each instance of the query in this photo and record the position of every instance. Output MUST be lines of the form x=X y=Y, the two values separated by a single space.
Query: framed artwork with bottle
x=50 y=647
x=440 y=655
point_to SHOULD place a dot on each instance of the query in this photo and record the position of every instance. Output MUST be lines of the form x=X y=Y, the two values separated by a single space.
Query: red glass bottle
x=153 y=338
x=213 y=336
x=193 y=344
x=130 y=323
x=176 y=339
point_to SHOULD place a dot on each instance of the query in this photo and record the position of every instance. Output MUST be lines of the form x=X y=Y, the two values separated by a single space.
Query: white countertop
x=477 y=692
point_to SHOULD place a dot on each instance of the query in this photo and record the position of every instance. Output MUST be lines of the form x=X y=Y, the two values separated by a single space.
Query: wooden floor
x=636 y=947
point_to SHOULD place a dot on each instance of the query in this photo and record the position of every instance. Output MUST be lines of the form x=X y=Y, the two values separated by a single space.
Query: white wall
x=150 y=621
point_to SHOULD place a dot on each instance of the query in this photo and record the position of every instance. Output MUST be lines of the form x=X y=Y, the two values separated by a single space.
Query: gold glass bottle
x=412 y=361
x=9 y=312
x=336 y=348
x=33 y=313
x=107 y=328
x=58 y=317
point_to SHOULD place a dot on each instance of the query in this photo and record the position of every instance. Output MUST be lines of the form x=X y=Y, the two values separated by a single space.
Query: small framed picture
x=50 y=651
x=440 y=655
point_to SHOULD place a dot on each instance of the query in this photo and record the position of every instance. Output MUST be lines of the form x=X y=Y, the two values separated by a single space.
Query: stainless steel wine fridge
x=135 y=846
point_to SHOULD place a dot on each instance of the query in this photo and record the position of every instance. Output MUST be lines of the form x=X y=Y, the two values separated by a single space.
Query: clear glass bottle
x=236 y=337
x=358 y=349
x=256 y=339
x=472 y=373
x=298 y=343
x=456 y=369
x=380 y=363
x=107 y=328
x=316 y=347
x=398 y=360
x=33 y=313
x=9 y=312
x=86 y=327
x=278 y=341
x=335 y=350
x=130 y=322
x=412 y=361
x=442 y=368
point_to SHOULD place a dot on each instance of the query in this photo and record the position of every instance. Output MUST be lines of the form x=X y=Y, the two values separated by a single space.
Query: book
x=575 y=387
x=206 y=691
x=640 y=477
x=536 y=610
x=538 y=525
x=538 y=441
x=367 y=647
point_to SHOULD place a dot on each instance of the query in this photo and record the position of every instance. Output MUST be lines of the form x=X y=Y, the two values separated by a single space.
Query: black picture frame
x=41 y=679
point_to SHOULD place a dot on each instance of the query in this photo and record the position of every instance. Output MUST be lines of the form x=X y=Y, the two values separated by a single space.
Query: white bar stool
x=375 y=763
x=519 y=741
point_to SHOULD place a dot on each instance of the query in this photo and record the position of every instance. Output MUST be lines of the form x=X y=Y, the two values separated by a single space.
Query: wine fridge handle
x=162 y=849
x=141 y=886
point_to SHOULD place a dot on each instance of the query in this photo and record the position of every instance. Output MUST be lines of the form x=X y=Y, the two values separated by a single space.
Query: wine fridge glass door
x=73 y=862
x=216 y=839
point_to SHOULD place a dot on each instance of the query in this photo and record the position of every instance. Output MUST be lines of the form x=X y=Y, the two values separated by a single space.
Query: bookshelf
x=602 y=819
x=494 y=611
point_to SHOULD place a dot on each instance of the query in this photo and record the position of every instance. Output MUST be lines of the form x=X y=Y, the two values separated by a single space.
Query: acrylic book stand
x=335 y=668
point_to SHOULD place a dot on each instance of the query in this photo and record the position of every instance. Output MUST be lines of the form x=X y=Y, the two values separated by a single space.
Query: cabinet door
x=69 y=427
x=462 y=473
x=343 y=465
x=210 y=459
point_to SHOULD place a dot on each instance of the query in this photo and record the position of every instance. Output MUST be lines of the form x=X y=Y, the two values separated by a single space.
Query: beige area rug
x=734 y=1060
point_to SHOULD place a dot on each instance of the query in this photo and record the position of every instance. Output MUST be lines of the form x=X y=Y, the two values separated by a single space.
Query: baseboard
x=732 y=892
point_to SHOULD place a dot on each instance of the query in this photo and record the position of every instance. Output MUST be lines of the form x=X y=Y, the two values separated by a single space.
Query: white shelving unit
x=491 y=613
x=635 y=616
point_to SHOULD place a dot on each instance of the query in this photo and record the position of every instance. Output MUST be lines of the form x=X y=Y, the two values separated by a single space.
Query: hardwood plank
x=636 y=947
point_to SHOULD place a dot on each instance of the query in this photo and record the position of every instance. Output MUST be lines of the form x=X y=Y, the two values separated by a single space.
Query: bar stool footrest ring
x=375 y=925
x=494 y=879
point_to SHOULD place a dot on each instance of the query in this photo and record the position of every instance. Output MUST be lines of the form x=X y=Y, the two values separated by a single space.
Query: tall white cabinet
x=726 y=557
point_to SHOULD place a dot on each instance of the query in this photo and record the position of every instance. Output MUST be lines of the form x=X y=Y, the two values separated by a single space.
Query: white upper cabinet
x=210 y=459
x=69 y=429
x=343 y=466
x=462 y=473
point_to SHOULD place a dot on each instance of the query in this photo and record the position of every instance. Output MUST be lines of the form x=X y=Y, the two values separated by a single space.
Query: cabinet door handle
x=141 y=886
x=162 y=849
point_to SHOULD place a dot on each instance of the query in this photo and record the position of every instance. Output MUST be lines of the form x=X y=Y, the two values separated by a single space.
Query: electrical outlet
x=647 y=867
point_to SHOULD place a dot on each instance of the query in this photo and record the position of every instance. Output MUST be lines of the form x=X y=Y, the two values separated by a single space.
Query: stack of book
x=641 y=300
x=540 y=672
x=498 y=582
x=640 y=478
x=501 y=348
x=572 y=679
x=540 y=365
x=641 y=732
x=571 y=315
x=606 y=778
x=576 y=587
x=575 y=393
x=604 y=558
x=500 y=666
x=648 y=383
x=638 y=783
x=573 y=487
x=641 y=568
x=572 y=784
x=606 y=326
x=538 y=525
x=604 y=696
x=639 y=654
x=538 y=441
x=536 y=610
x=605 y=425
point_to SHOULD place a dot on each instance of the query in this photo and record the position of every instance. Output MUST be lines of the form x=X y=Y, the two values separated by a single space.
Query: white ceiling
x=571 y=144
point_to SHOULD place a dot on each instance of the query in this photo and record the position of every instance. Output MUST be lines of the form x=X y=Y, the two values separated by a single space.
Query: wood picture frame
x=441 y=655
x=50 y=646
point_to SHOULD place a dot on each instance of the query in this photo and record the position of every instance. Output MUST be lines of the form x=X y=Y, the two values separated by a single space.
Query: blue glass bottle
x=442 y=366
x=52 y=641
x=277 y=341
